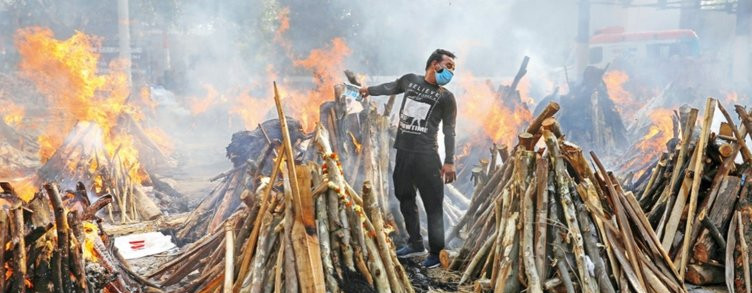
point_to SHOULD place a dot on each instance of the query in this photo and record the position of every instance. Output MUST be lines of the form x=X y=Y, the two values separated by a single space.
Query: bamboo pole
x=229 y=257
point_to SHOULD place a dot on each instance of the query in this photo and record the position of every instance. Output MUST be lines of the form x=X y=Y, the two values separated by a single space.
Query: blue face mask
x=444 y=76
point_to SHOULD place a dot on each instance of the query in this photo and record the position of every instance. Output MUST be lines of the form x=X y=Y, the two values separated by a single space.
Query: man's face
x=446 y=62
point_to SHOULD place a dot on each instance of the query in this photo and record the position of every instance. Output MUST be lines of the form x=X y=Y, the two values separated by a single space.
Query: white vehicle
x=608 y=45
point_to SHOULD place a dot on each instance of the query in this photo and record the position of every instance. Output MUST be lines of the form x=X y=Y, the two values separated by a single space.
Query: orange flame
x=12 y=113
x=24 y=187
x=251 y=109
x=212 y=98
x=326 y=66
x=625 y=102
x=483 y=109
x=66 y=72
x=653 y=143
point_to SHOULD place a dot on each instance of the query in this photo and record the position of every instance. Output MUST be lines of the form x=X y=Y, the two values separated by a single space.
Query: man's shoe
x=407 y=252
x=432 y=261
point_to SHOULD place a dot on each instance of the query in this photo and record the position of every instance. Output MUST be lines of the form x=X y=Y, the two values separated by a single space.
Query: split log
x=562 y=183
x=705 y=247
x=372 y=209
x=4 y=228
x=61 y=222
x=698 y=171
x=229 y=258
x=541 y=218
x=704 y=274
x=19 y=251
x=591 y=245
x=528 y=218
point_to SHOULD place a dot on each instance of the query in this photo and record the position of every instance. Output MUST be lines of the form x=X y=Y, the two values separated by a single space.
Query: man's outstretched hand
x=363 y=91
x=448 y=173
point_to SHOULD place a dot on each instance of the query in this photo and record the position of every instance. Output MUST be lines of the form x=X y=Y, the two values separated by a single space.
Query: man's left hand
x=448 y=173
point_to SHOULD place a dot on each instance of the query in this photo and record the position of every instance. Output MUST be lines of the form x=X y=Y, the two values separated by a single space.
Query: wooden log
x=4 y=228
x=621 y=221
x=376 y=267
x=591 y=245
x=145 y=206
x=264 y=252
x=740 y=141
x=446 y=257
x=743 y=250
x=311 y=275
x=705 y=247
x=229 y=258
x=534 y=283
x=526 y=140
x=322 y=223
x=291 y=276
x=61 y=223
x=19 y=251
x=470 y=270
x=251 y=243
x=557 y=247
x=729 y=257
x=549 y=111
x=552 y=125
x=77 y=259
x=704 y=274
x=279 y=266
x=562 y=184
x=688 y=129
x=541 y=217
x=698 y=170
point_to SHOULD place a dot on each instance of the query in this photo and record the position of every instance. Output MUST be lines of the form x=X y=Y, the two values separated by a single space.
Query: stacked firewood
x=83 y=158
x=314 y=233
x=53 y=243
x=545 y=221
x=697 y=199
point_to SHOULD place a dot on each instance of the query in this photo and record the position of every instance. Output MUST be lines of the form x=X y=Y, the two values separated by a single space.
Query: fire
x=212 y=98
x=12 y=113
x=24 y=188
x=625 y=102
x=283 y=16
x=326 y=65
x=65 y=71
x=251 y=109
x=158 y=136
x=654 y=141
x=483 y=109
x=91 y=232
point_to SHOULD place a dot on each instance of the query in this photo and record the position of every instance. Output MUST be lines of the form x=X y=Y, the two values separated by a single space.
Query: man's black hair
x=437 y=56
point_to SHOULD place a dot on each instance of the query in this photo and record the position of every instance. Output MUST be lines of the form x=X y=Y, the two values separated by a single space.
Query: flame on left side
x=12 y=113
x=24 y=187
x=65 y=71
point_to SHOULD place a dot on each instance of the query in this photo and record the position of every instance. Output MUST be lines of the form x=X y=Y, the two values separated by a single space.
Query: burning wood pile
x=314 y=233
x=697 y=199
x=252 y=153
x=543 y=220
x=83 y=157
x=589 y=116
x=54 y=242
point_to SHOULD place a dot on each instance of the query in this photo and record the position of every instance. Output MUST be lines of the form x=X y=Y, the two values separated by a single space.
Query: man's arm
x=389 y=88
x=448 y=121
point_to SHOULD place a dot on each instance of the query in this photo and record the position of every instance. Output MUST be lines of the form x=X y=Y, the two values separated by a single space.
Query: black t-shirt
x=424 y=106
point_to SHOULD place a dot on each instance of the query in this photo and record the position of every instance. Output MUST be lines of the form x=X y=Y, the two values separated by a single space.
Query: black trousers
x=421 y=171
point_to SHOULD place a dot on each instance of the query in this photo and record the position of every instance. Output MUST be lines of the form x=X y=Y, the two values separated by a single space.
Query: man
x=426 y=103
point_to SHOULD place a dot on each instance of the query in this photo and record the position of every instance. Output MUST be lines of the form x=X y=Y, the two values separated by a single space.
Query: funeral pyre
x=696 y=197
x=54 y=243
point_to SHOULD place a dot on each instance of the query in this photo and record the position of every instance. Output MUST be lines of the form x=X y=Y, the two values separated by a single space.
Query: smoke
x=226 y=53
